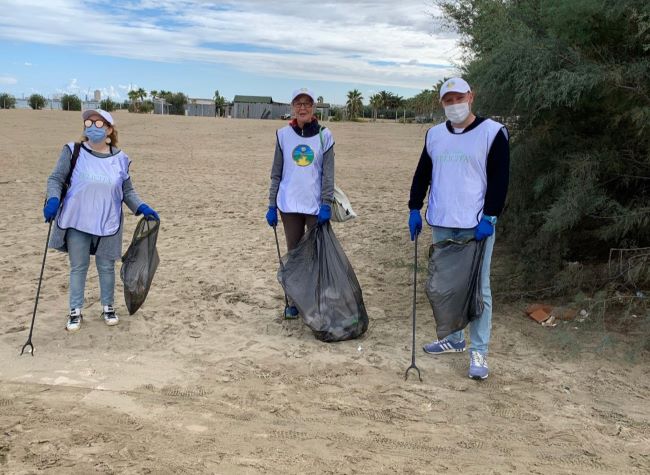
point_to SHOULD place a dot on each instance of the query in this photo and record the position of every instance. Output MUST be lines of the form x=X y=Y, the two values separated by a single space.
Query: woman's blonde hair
x=112 y=136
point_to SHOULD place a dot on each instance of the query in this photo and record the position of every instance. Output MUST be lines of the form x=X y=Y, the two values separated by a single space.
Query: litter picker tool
x=415 y=287
x=38 y=293
x=277 y=246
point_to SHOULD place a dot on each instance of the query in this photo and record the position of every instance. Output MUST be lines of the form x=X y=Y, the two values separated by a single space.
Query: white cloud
x=8 y=80
x=360 y=41
x=28 y=64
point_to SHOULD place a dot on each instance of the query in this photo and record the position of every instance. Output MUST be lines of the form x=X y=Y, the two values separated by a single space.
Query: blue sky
x=253 y=47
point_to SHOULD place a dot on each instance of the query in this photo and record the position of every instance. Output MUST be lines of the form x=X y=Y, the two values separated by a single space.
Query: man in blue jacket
x=465 y=162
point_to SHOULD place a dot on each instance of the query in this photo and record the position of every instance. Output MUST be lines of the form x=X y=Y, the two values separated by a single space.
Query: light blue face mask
x=95 y=134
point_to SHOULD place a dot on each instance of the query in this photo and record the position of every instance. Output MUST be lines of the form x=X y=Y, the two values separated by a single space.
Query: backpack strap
x=73 y=162
x=320 y=136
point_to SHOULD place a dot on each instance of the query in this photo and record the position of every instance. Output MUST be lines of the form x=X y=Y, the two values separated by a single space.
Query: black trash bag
x=319 y=279
x=139 y=264
x=454 y=284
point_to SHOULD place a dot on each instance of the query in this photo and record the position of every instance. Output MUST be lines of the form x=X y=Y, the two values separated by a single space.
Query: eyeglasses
x=300 y=105
x=98 y=123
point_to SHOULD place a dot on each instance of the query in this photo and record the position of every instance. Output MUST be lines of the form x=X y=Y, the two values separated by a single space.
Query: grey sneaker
x=478 y=367
x=109 y=316
x=74 y=320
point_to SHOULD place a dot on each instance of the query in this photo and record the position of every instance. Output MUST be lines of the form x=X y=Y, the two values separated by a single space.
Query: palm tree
x=133 y=96
x=153 y=94
x=375 y=103
x=354 y=103
x=141 y=93
x=320 y=100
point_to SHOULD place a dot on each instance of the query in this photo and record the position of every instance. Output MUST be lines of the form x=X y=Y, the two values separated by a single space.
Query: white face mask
x=457 y=113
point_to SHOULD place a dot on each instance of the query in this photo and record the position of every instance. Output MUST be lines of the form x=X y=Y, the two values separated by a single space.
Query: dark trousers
x=294 y=227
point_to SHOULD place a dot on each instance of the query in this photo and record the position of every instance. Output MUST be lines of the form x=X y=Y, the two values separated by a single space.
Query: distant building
x=200 y=107
x=258 y=107
x=160 y=106
x=98 y=95
x=322 y=110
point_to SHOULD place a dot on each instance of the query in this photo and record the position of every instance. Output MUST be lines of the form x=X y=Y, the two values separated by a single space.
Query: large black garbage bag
x=139 y=264
x=319 y=279
x=454 y=284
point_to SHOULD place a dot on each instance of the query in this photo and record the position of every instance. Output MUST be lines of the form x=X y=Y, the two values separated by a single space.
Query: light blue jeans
x=79 y=245
x=479 y=329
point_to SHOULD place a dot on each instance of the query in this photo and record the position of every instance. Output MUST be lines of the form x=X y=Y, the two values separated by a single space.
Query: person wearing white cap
x=465 y=162
x=302 y=176
x=84 y=198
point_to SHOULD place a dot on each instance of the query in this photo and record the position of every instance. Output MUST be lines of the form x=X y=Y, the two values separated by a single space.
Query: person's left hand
x=147 y=212
x=324 y=214
x=484 y=229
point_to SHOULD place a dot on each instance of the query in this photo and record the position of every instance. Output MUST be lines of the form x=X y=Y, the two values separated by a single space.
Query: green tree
x=70 y=102
x=177 y=102
x=7 y=101
x=108 y=105
x=354 y=103
x=219 y=104
x=571 y=81
x=320 y=100
x=36 y=101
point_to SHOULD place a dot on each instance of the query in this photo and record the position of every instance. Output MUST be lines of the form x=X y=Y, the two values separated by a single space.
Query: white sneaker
x=109 y=316
x=74 y=320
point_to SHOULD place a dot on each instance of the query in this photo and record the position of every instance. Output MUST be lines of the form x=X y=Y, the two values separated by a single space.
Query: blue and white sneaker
x=478 y=367
x=74 y=320
x=109 y=316
x=445 y=345
x=290 y=313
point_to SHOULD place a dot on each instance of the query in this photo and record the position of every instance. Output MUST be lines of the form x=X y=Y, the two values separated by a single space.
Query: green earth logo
x=303 y=155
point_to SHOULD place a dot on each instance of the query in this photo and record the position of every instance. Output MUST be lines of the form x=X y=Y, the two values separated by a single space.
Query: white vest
x=459 y=176
x=93 y=203
x=302 y=170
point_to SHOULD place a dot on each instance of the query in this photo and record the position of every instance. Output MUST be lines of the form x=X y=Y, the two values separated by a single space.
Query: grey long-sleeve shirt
x=327 y=183
x=109 y=247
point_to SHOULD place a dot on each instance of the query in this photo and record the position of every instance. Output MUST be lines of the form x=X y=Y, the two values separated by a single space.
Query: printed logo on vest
x=303 y=155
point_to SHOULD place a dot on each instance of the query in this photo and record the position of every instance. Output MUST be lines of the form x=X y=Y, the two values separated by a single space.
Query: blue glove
x=484 y=229
x=148 y=212
x=324 y=214
x=415 y=223
x=272 y=216
x=50 y=209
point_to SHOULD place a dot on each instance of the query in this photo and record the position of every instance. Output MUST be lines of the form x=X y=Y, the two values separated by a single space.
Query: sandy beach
x=207 y=378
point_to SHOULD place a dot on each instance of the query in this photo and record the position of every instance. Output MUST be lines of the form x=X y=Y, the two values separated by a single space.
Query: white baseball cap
x=454 y=85
x=88 y=112
x=305 y=91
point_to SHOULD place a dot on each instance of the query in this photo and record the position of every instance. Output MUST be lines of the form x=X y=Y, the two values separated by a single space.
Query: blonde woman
x=88 y=218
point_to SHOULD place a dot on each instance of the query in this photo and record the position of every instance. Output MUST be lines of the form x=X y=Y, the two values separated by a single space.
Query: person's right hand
x=50 y=209
x=415 y=223
x=272 y=216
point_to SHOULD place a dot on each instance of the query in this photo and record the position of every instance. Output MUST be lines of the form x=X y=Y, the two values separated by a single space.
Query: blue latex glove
x=415 y=223
x=484 y=229
x=272 y=216
x=50 y=209
x=147 y=211
x=324 y=214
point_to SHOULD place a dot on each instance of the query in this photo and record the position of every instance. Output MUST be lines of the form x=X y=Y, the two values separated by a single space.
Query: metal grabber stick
x=38 y=293
x=415 y=287
x=277 y=245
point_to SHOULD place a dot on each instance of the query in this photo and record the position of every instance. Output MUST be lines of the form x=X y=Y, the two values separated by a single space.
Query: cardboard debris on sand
x=543 y=313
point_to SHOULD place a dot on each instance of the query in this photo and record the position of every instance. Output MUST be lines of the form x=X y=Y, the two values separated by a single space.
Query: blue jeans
x=79 y=245
x=479 y=329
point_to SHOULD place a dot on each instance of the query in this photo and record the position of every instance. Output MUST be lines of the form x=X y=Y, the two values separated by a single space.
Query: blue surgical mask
x=95 y=134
